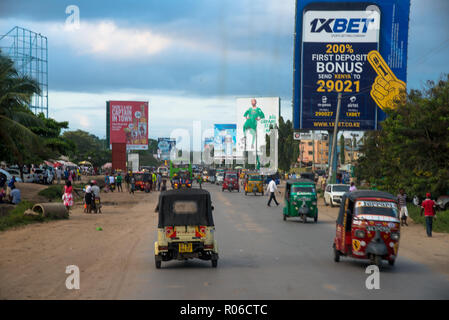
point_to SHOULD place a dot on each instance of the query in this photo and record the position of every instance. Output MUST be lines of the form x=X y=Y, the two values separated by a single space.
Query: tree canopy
x=411 y=151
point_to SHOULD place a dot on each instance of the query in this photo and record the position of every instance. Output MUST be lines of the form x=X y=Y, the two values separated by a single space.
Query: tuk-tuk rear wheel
x=336 y=255
x=285 y=217
x=157 y=262
x=391 y=262
x=214 y=263
x=315 y=219
x=304 y=218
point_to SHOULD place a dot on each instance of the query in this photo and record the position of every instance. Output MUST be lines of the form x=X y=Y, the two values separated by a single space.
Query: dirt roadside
x=35 y=257
x=414 y=243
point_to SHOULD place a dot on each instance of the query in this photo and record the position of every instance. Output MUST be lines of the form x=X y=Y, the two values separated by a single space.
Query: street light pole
x=332 y=166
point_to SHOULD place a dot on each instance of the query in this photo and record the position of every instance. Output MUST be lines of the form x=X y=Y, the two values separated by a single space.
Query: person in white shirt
x=112 y=182
x=88 y=199
x=272 y=188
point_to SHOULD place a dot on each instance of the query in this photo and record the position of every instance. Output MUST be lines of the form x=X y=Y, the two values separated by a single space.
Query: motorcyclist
x=96 y=196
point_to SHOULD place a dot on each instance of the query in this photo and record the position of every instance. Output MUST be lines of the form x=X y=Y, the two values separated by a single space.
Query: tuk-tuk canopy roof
x=300 y=181
x=203 y=215
x=353 y=196
x=360 y=194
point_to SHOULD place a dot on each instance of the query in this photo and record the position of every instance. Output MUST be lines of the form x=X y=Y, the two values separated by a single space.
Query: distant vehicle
x=443 y=202
x=276 y=177
x=16 y=173
x=6 y=174
x=163 y=171
x=308 y=175
x=334 y=192
x=231 y=181
x=219 y=178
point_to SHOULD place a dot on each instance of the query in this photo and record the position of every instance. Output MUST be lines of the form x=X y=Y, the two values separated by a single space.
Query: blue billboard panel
x=225 y=139
x=332 y=43
x=165 y=145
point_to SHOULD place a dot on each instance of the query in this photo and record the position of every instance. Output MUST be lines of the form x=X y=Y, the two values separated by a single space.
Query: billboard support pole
x=333 y=162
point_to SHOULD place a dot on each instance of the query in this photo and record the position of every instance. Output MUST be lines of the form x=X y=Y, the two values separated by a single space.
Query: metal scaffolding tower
x=28 y=50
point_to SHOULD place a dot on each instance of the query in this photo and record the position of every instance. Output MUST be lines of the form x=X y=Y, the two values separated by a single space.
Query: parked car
x=16 y=173
x=7 y=175
x=333 y=193
x=443 y=202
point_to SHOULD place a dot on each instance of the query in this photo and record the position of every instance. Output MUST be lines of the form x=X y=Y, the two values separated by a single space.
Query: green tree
x=411 y=150
x=87 y=147
x=17 y=140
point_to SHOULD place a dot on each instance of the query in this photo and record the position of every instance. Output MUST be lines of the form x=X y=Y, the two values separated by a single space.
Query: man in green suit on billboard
x=252 y=115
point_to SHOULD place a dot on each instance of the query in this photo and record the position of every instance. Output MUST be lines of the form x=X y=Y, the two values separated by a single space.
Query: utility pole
x=332 y=165
x=313 y=151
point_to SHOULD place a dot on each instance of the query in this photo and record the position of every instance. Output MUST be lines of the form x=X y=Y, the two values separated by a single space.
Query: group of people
x=112 y=181
x=428 y=208
x=9 y=193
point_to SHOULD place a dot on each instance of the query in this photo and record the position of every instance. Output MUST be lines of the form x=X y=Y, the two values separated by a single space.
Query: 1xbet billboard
x=332 y=42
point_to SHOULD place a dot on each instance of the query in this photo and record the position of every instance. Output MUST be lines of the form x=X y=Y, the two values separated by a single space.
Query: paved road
x=264 y=257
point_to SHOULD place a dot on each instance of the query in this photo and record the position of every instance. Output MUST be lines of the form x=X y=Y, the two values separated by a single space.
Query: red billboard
x=129 y=124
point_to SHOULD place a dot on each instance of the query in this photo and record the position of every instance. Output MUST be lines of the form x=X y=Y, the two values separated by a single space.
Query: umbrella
x=238 y=167
x=48 y=163
x=85 y=163
x=107 y=165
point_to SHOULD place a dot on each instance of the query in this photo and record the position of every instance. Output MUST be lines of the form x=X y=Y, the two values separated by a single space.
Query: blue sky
x=190 y=59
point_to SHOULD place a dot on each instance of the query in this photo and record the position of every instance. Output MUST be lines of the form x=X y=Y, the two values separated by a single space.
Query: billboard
x=333 y=45
x=165 y=146
x=208 y=143
x=254 y=118
x=225 y=140
x=128 y=123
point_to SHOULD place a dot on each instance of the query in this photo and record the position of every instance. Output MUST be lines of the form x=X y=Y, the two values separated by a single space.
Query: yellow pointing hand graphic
x=387 y=90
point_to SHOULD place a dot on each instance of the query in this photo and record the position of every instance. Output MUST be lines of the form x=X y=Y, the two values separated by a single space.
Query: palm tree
x=16 y=91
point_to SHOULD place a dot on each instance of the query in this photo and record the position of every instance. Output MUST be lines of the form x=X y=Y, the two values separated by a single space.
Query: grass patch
x=52 y=193
x=441 y=224
x=16 y=217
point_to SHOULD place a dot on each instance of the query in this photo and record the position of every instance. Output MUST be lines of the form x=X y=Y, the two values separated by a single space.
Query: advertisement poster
x=129 y=124
x=254 y=118
x=225 y=140
x=333 y=44
x=165 y=146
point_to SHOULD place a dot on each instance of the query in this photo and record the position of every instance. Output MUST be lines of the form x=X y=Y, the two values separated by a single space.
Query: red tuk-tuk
x=230 y=181
x=368 y=227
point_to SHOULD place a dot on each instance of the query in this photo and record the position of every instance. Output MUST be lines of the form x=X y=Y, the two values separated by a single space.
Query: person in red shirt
x=428 y=206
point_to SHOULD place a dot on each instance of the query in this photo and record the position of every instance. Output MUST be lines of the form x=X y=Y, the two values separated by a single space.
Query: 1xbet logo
x=341 y=25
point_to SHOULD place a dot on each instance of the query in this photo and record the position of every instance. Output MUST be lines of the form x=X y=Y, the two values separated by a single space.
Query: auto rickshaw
x=253 y=184
x=368 y=227
x=301 y=200
x=186 y=227
x=230 y=181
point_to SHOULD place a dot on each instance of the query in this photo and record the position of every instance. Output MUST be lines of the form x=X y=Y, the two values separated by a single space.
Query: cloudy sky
x=189 y=58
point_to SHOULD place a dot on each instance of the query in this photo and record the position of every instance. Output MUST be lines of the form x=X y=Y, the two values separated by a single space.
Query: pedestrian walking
x=272 y=188
x=154 y=180
x=402 y=202
x=58 y=175
x=88 y=198
x=428 y=206
x=164 y=185
x=132 y=182
x=119 y=182
x=352 y=188
x=159 y=181
x=127 y=176
x=68 y=196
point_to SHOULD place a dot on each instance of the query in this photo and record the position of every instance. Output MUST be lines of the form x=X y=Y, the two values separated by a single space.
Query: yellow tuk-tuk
x=186 y=227
x=253 y=184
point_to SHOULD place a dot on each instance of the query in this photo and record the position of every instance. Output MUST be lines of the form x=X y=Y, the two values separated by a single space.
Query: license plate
x=185 y=247
x=97 y=201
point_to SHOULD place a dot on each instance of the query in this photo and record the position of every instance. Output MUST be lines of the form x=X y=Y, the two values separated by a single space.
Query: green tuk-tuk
x=301 y=200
